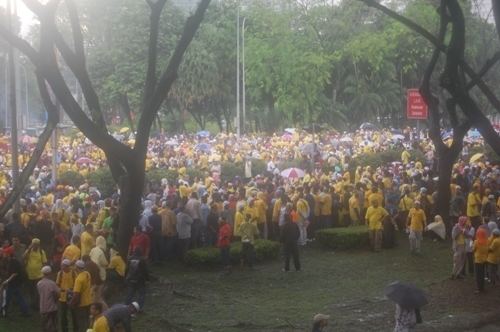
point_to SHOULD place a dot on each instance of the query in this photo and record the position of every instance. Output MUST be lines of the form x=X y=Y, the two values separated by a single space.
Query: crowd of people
x=60 y=257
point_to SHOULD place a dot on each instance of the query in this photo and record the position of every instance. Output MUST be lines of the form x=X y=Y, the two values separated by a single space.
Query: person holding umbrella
x=409 y=299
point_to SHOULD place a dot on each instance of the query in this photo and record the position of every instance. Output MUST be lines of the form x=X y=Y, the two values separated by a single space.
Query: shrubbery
x=103 y=180
x=71 y=178
x=264 y=250
x=155 y=175
x=383 y=158
x=343 y=238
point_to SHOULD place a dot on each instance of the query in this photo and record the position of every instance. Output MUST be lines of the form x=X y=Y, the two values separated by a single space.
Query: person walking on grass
x=136 y=277
x=289 y=237
x=82 y=296
x=375 y=216
x=480 y=258
x=248 y=233
x=65 y=280
x=49 y=295
x=417 y=221
x=458 y=236
x=224 y=244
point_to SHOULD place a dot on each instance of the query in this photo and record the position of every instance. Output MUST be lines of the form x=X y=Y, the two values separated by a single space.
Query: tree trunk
x=445 y=166
x=131 y=188
x=125 y=107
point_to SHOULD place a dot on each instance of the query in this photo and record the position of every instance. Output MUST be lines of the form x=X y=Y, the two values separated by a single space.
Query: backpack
x=133 y=274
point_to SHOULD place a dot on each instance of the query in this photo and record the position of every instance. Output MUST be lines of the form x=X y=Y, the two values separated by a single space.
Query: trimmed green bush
x=230 y=170
x=103 y=180
x=343 y=238
x=155 y=175
x=71 y=178
x=264 y=250
x=383 y=158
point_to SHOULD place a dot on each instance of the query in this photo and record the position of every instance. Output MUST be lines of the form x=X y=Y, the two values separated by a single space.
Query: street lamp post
x=238 y=122
x=243 y=67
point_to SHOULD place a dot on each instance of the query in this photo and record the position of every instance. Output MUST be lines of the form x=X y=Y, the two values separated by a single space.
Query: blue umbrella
x=203 y=147
x=474 y=133
x=203 y=133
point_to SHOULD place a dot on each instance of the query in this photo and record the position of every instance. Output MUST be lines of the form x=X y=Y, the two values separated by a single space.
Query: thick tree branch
x=77 y=31
x=484 y=70
x=22 y=45
x=167 y=79
x=151 y=79
x=495 y=4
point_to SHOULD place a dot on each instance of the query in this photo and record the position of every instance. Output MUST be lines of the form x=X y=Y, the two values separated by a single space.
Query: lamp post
x=238 y=121
x=243 y=68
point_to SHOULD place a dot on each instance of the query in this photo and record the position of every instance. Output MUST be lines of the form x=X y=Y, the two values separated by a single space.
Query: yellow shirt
x=375 y=216
x=83 y=287
x=34 y=263
x=261 y=207
x=65 y=281
x=276 y=211
x=494 y=251
x=326 y=204
x=87 y=243
x=72 y=253
x=118 y=265
x=406 y=203
x=353 y=207
x=417 y=219
x=239 y=219
x=473 y=205
x=101 y=325
x=480 y=253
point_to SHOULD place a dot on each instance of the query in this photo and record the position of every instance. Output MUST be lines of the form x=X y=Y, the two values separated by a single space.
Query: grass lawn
x=347 y=285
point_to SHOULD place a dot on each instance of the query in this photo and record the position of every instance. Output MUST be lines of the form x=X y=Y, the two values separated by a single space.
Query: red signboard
x=416 y=108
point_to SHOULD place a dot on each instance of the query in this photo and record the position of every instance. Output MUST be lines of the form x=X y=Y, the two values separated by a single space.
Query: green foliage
x=344 y=238
x=383 y=158
x=230 y=170
x=70 y=178
x=487 y=151
x=264 y=250
x=103 y=180
x=156 y=175
x=195 y=173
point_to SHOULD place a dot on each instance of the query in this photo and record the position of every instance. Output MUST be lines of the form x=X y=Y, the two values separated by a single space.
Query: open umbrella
x=292 y=173
x=203 y=147
x=406 y=295
x=476 y=157
x=83 y=160
x=124 y=130
x=203 y=133
x=346 y=139
x=307 y=148
x=368 y=126
x=398 y=137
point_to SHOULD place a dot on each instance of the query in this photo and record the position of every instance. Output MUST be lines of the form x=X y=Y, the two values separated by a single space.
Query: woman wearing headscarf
x=98 y=256
x=480 y=258
x=458 y=235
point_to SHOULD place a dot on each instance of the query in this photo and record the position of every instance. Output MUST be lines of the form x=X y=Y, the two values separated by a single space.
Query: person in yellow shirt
x=474 y=206
x=87 y=240
x=82 y=296
x=354 y=209
x=35 y=259
x=239 y=219
x=405 y=205
x=417 y=221
x=494 y=256
x=325 y=208
x=65 y=280
x=117 y=266
x=480 y=249
x=375 y=216
x=100 y=321
x=303 y=210
x=73 y=252
x=261 y=206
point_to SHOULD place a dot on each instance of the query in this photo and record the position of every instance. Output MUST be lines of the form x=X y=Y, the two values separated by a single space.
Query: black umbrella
x=406 y=295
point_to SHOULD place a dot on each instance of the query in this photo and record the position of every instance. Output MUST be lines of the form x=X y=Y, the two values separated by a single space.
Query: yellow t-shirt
x=473 y=205
x=375 y=216
x=83 y=287
x=239 y=219
x=34 y=263
x=326 y=204
x=87 y=243
x=417 y=219
x=494 y=251
x=353 y=206
x=480 y=253
x=72 y=253
x=118 y=265
x=101 y=325
x=406 y=203
x=65 y=281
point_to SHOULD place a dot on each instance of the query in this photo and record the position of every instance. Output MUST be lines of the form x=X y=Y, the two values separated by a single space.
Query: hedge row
x=383 y=158
x=343 y=238
x=264 y=250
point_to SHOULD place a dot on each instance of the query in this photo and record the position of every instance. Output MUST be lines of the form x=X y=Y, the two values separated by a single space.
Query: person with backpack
x=66 y=281
x=135 y=278
x=34 y=259
x=82 y=297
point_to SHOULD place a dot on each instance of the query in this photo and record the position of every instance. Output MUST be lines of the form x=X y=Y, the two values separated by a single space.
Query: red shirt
x=140 y=240
x=224 y=236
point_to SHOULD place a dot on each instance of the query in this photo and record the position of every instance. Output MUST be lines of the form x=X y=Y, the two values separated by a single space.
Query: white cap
x=136 y=306
x=46 y=270
x=66 y=262
x=80 y=264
